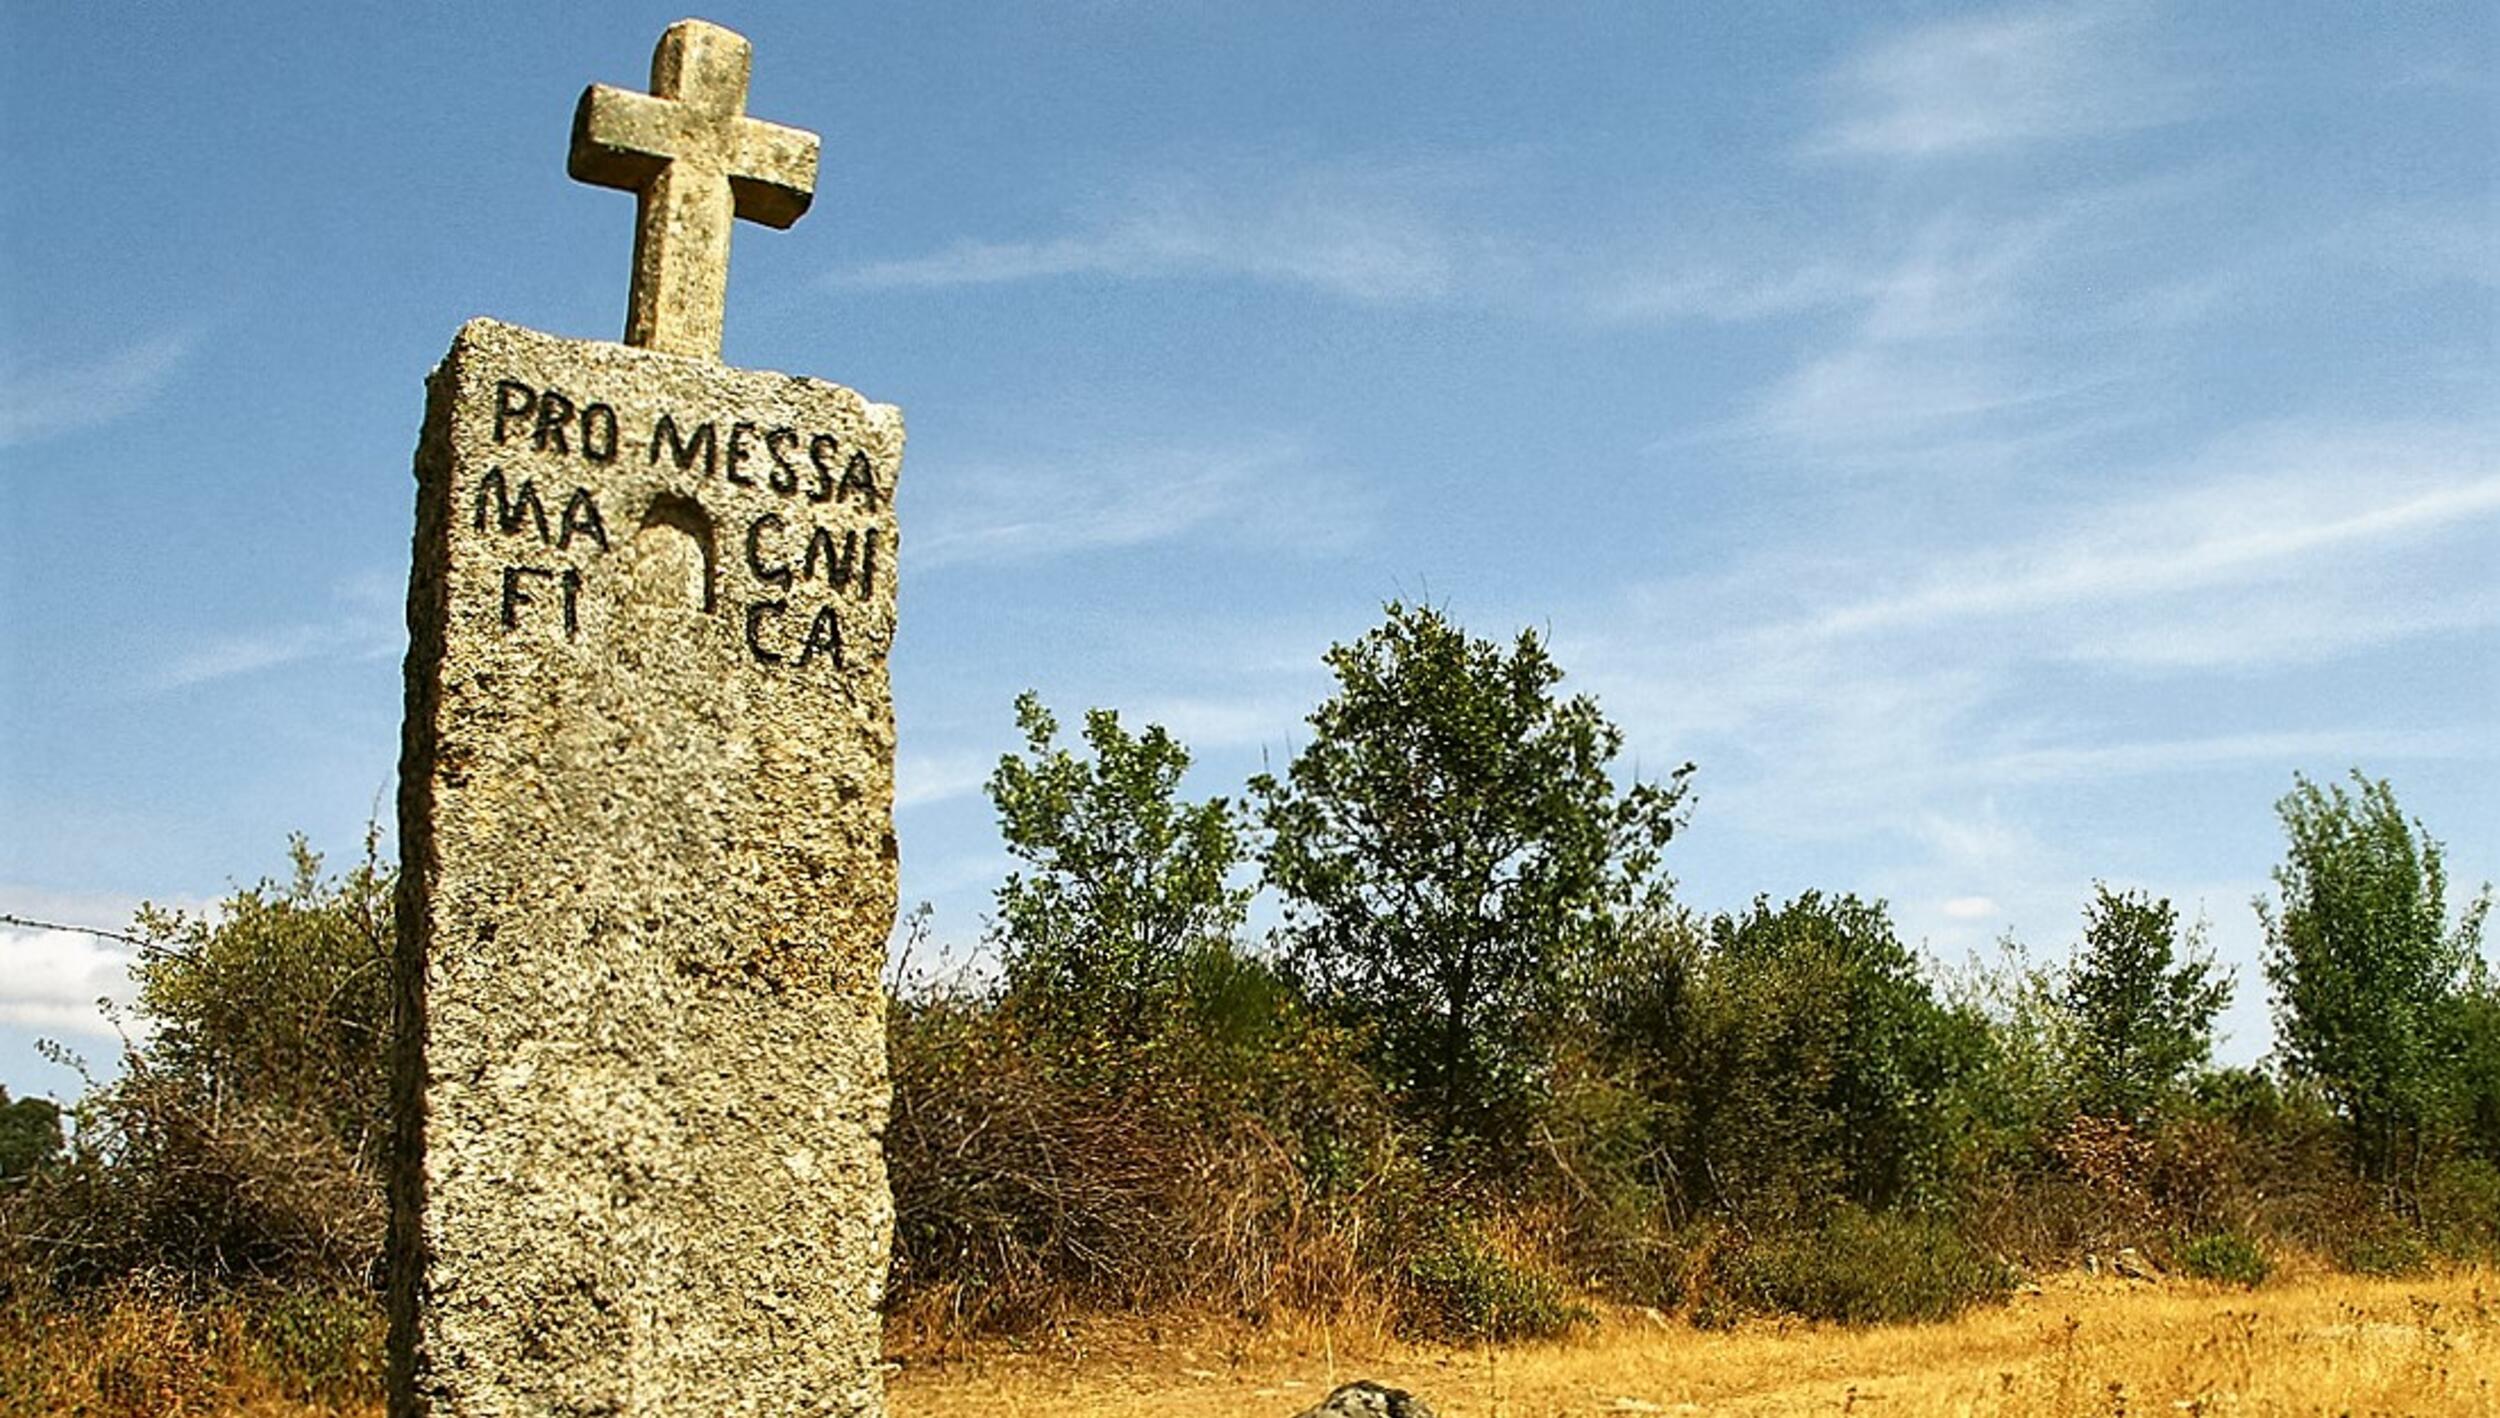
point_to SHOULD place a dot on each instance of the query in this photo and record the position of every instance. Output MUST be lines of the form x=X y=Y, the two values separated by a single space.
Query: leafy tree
x=1447 y=843
x=247 y=1134
x=1128 y=882
x=30 y=1135
x=2365 y=967
x=1820 y=1060
x=2476 y=1028
x=281 y=1000
x=2143 y=999
x=2018 y=1088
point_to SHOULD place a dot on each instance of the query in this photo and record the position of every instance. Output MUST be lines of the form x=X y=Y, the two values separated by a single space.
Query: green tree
x=1128 y=883
x=2365 y=967
x=2476 y=1028
x=30 y=1135
x=1820 y=1061
x=247 y=1134
x=1447 y=844
x=2143 y=998
x=280 y=1001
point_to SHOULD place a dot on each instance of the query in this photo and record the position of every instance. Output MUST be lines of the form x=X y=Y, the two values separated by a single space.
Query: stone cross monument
x=646 y=824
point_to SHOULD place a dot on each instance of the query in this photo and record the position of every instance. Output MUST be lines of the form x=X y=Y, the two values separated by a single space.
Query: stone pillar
x=646 y=793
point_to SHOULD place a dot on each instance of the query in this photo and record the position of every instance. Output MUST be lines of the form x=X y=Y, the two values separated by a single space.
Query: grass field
x=2317 y=1345
x=2314 y=1344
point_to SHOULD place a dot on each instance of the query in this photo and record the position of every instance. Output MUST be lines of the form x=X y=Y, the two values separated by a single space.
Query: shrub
x=30 y=1136
x=1461 y=1286
x=2461 y=1208
x=323 y=1348
x=2389 y=1248
x=1807 y=1063
x=2226 y=1256
x=244 y=1140
x=1860 y=1267
x=1029 y=1186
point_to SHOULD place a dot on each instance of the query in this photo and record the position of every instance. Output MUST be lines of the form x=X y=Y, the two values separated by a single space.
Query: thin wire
x=31 y=924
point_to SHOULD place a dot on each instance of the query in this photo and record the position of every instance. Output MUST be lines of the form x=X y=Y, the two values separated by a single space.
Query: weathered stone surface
x=695 y=161
x=646 y=827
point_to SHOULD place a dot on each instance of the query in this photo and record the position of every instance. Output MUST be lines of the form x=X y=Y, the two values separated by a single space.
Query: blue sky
x=1999 y=446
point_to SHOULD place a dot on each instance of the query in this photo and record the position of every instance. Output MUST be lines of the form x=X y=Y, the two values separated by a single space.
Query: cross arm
x=621 y=138
x=773 y=172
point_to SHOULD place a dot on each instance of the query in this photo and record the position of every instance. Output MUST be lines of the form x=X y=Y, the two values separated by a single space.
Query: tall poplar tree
x=2365 y=967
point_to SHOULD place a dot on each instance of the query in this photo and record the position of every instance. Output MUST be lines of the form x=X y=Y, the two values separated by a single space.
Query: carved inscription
x=800 y=570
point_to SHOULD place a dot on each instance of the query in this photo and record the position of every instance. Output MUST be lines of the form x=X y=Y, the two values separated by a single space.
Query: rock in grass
x=1365 y=1399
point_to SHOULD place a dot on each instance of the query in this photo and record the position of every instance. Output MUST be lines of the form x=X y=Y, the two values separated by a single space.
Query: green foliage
x=1815 y=1062
x=2228 y=1257
x=281 y=1001
x=2386 y=1247
x=2143 y=1002
x=30 y=1135
x=1460 y=1286
x=1859 y=1267
x=1128 y=884
x=329 y=1348
x=246 y=1136
x=2365 y=968
x=2461 y=1208
x=1448 y=843
x=2474 y=1026
x=2016 y=1090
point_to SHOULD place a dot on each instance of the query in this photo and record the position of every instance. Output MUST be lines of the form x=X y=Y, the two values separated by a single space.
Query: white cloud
x=55 y=979
x=61 y=398
x=2429 y=244
x=367 y=626
x=1876 y=405
x=1696 y=288
x=1372 y=233
x=51 y=980
x=1259 y=491
x=1999 y=82
x=1916 y=699
x=2254 y=626
x=924 y=778
x=1941 y=367
x=2103 y=762
x=2283 y=502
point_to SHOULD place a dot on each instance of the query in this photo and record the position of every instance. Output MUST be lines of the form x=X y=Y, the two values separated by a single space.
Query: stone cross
x=695 y=161
x=647 y=844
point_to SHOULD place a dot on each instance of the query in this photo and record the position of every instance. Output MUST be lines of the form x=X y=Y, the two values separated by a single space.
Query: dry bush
x=151 y=1345
x=167 y=1179
x=1025 y=1195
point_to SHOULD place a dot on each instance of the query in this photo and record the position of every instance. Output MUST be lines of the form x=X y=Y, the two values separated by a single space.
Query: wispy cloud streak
x=41 y=401
x=2303 y=499
x=1374 y=234
x=1999 y=82
x=1258 y=492
x=367 y=626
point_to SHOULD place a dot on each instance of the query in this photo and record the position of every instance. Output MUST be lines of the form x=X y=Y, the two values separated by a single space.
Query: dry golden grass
x=143 y=1355
x=2311 y=1344
x=2317 y=1344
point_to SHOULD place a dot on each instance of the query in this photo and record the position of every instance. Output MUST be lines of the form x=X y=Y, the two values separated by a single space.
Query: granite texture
x=646 y=793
